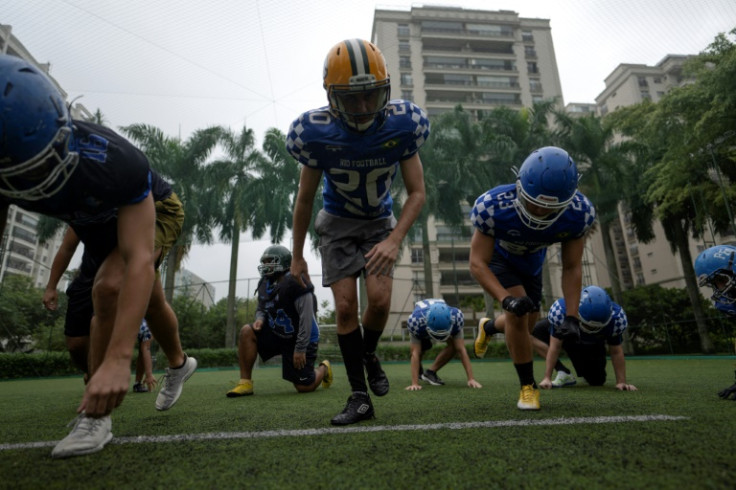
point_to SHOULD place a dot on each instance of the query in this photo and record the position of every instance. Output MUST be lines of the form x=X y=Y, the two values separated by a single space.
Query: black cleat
x=377 y=379
x=431 y=377
x=358 y=408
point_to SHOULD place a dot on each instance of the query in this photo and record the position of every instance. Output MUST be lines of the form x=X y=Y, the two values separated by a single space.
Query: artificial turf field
x=673 y=433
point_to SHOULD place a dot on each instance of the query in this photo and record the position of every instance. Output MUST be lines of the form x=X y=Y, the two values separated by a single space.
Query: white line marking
x=361 y=429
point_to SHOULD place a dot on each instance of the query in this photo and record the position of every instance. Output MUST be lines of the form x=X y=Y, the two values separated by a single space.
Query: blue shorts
x=270 y=345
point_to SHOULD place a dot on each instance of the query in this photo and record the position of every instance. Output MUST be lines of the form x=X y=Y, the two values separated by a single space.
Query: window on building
x=406 y=80
x=531 y=67
x=404 y=62
x=645 y=95
x=417 y=255
x=407 y=94
x=527 y=36
x=535 y=85
x=404 y=47
x=643 y=81
x=403 y=30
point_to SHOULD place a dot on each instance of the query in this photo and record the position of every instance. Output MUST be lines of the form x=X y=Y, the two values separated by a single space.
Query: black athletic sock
x=559 y=367
x=526 y=373
x=370 y=341
x=351 y=347
x=490 y=328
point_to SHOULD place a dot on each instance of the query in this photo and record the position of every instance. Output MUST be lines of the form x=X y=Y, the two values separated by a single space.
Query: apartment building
x=440 y=57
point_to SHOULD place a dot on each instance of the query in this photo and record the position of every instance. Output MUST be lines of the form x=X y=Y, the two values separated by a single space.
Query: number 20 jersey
x=358 y=166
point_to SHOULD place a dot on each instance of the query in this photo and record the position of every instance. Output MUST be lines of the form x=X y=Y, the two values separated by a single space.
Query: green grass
x=696 y=452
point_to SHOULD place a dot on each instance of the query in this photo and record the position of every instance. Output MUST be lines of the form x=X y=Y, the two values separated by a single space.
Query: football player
x=284 y=325
x=434 y=320
x=89 y=176
x=715 y=267
x=602 y=322
x=514 y=225
x=144 y=380
x=355 y=145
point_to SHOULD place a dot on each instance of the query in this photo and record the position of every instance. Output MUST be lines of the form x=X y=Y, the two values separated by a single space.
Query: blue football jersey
x=494 y=214
x=612 y=333
x=417 y=322
x=358 y=167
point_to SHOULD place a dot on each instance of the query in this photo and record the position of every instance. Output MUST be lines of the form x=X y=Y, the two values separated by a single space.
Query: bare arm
x=459 y=345
x=572 y=274
x=619 y=368
x=553 y=354
x=60 y=263
x=416 y=354
x=481 y=253
x=309 y=180
x=382 y=257
x=109 y=385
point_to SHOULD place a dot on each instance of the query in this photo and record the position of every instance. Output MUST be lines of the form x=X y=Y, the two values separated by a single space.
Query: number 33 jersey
x=358 y=167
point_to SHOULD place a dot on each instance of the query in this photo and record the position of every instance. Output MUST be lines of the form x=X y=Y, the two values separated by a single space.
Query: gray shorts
x=343 y=243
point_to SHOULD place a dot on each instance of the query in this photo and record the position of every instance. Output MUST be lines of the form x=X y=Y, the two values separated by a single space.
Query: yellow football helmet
x=357 y=83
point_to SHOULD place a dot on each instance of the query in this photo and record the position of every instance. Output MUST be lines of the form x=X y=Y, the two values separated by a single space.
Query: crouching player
x=433 y=319
x=284 y=325
x=714 y=268
x=601 y=322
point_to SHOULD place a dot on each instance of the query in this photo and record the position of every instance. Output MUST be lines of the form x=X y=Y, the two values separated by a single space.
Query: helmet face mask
x=36 y=156
x=595 y=310
x=714 y=267
x=545 y=185
x=357 y=83
x=276 y=260
x=439 y=321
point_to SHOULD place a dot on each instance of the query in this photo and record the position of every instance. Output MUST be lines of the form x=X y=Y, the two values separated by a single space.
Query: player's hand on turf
x=474 y=384
x=519 y=306
x=106 y=389
x=413 y=387
x=300 y=271
x=569 y=329
x=50 y=299
x=546 y=384
x=300 y=360
x=728 y=393
x=382 y=257
x=625 y=387
x=150 y=382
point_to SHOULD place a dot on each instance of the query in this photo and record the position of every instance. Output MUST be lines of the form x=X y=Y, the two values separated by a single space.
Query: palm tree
x=182 y=164
x=253 y=191
x=605 y=165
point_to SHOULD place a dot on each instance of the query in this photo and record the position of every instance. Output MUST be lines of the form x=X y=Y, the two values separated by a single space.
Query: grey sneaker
x=173 y=382
x=89 y=435
x=563 y=379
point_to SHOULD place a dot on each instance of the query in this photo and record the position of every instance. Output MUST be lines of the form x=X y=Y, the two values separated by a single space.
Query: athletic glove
x=569 y=330
x=729 y=393
x=519 y=306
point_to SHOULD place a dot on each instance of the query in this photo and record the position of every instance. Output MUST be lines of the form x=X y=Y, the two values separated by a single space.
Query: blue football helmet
x=546 y=183
x=439 y=321
x=36 y=158
x=595 y=310
x=276 y=260
x=714 y=267
x=357 y=83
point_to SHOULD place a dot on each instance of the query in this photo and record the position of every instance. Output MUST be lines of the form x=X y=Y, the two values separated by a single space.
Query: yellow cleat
x=243 y=388
x=481 y=341
x=327 y=379
x=528 y=398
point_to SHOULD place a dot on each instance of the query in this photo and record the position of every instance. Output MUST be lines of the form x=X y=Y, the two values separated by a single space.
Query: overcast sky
x=182 y=65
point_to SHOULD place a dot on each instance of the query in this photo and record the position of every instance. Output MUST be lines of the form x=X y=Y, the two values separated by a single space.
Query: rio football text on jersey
x=612 y=333
x=495 y=214
x=358 y=167
x=417 y=322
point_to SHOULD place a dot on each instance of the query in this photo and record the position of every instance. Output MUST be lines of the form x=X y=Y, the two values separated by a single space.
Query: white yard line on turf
x=364 y=428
